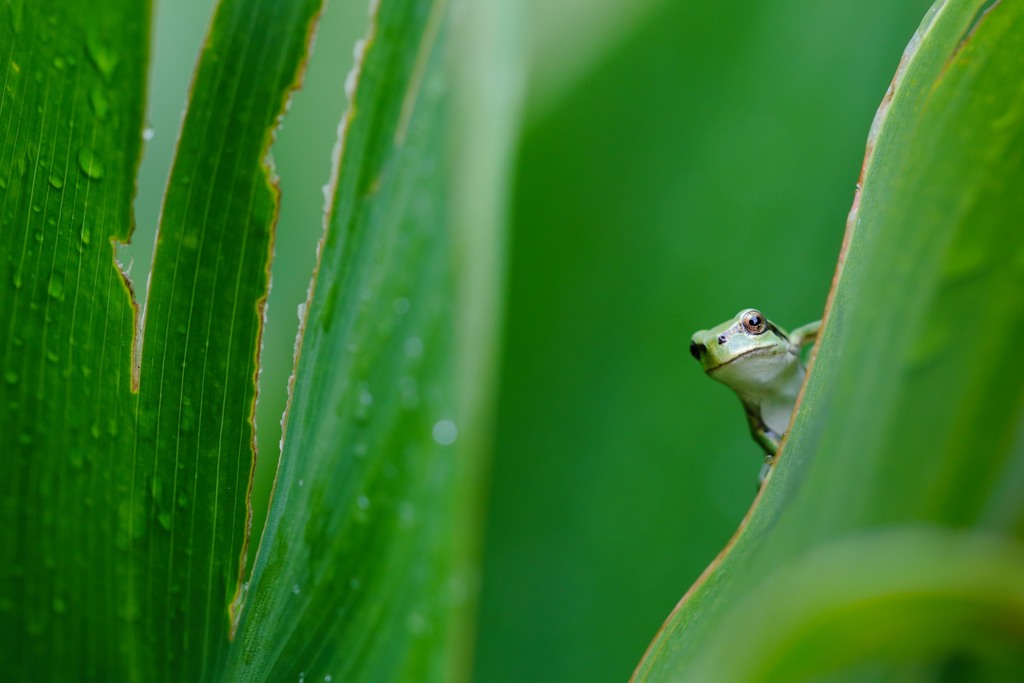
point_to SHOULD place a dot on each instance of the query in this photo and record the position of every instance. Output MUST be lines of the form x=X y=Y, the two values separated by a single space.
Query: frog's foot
x=765 y=469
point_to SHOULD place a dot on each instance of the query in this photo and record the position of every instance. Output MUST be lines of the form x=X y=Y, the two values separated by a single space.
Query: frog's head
x=744 y=352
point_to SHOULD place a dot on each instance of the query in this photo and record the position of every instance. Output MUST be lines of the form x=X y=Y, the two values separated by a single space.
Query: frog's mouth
x=756 y=351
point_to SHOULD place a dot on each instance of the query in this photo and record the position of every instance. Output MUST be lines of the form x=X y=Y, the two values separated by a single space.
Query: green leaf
x=71 y=115
x=362 y=573
x=201 y=333
x=911 y=419
x=129 y=509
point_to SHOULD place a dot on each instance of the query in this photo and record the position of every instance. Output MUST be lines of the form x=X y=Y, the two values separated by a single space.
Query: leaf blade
x=72 y=114
x=197 y=384
x=362 y=570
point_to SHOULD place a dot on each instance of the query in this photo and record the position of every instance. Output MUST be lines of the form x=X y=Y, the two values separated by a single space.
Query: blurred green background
x=680 y=161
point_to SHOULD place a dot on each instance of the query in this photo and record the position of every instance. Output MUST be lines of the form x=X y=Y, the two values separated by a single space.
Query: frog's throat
x=752 y=352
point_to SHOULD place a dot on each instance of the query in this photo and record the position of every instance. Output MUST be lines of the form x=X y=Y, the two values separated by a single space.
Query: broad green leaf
x=71 y=121
x=911 y=419
x=130 y=506
x=362 y=570
x=201 y=333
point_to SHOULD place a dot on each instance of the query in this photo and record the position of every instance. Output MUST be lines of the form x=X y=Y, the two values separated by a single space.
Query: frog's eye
x=754 y=322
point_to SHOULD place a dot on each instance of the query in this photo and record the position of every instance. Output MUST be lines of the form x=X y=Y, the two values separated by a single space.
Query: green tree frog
x=761 y=363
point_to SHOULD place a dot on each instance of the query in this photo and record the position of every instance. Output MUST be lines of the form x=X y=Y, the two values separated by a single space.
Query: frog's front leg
x=766 y=438
x=805 y=334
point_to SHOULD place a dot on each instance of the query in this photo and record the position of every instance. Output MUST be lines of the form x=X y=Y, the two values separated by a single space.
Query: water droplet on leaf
x=102 y=56
x=445 y=432
x=90 y=164
x=365 y=405
x=413 y=347
x=56 y=287
x=99 y=102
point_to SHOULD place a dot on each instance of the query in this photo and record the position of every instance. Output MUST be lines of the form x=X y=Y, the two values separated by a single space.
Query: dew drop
x=413 y=347
x=190 y=241
x=102 y=56
x=148 y=133
x=90 y=164
x=52 y=356
x=99 y=102
x=56 y=287
x=16 y=279
x=11 y=377
x=86 y=234
x=95 y=430
x=365 y=406
x=363 y=502
x=56 y=182
x=182 y=501
x=165 y=520
x=445 y=432
x=295 y=589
